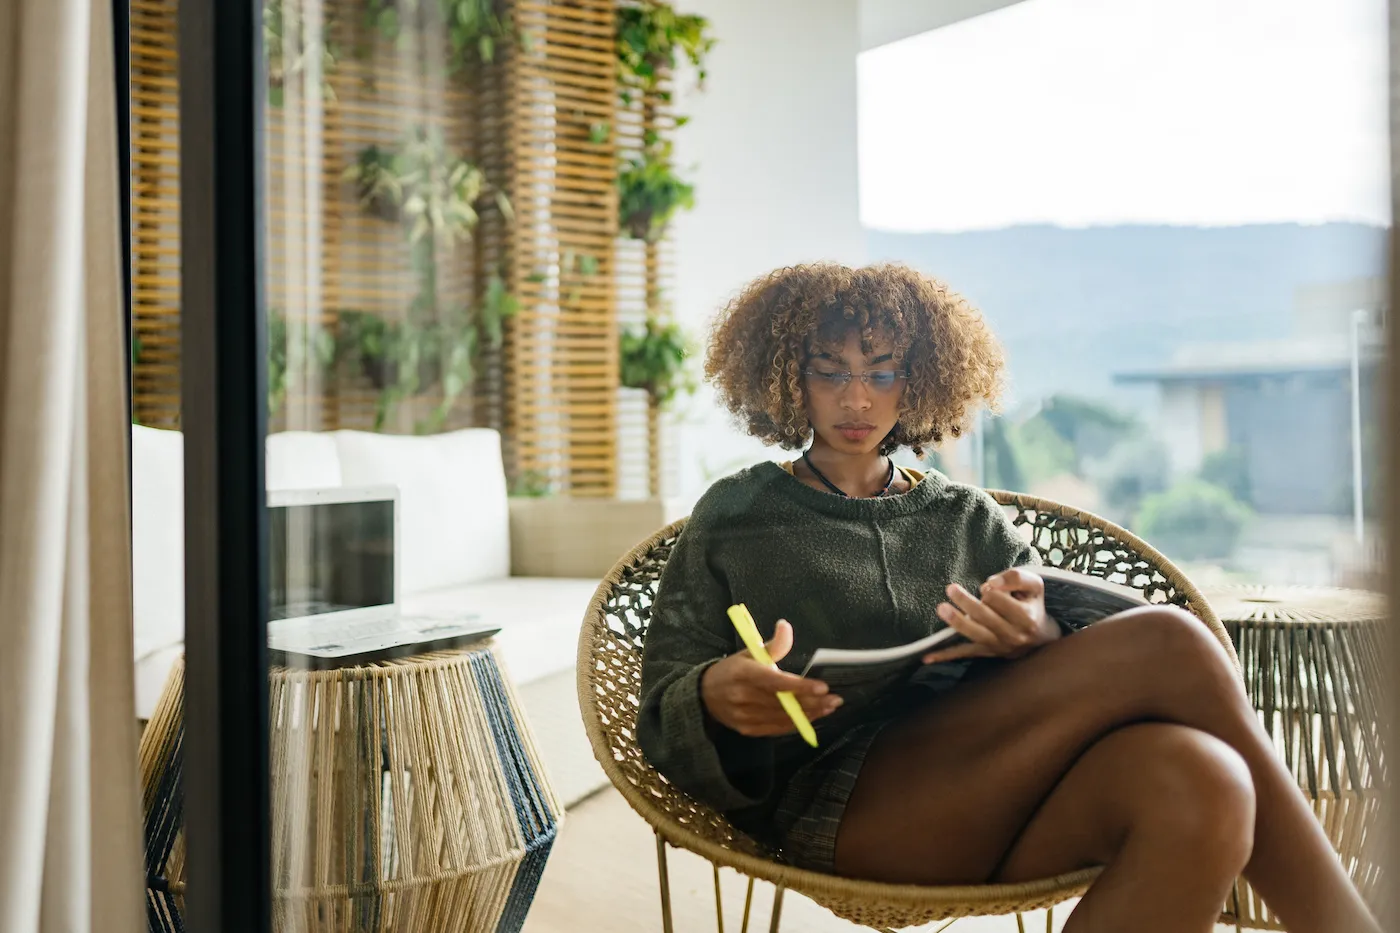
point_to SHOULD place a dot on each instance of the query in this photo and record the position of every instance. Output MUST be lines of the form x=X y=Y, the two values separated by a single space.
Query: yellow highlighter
x=748 y=632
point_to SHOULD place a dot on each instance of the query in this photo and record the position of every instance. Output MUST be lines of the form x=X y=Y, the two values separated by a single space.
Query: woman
x=1024 y=752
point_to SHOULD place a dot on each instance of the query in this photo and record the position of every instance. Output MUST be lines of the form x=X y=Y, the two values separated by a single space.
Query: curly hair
x=762 y=340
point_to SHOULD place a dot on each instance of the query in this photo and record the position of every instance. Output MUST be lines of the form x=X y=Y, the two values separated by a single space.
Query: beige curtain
x=69 y=809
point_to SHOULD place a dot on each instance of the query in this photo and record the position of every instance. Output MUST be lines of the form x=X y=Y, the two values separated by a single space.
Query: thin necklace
x=889 y=480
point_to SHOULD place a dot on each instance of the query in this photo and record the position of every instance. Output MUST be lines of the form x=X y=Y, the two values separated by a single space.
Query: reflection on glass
x=406 y=791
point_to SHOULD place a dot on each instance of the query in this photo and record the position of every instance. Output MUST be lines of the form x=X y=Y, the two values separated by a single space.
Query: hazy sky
x=1079 y=112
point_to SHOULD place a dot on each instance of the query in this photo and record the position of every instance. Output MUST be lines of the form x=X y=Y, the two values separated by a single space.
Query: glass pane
x=413 y=220
x=1190 y=299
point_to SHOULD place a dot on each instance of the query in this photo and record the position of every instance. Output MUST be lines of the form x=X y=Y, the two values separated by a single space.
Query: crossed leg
x=1129 y=745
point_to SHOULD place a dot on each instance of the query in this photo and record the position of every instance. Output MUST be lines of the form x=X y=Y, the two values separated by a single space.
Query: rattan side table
x=407 y=795
x=1313 y=660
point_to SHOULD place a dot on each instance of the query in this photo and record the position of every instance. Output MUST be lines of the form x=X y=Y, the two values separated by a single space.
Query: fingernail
x=952 y=588
x=820 y=689
x=836 y=701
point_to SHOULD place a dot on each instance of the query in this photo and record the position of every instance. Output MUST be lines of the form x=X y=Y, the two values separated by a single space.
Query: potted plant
x=650 y=36
x=280 y=24
x=433 y=193
x=650 y=193
x=288 y=344
x=424 y=184
x=474 y=27
x=407 y=357
x=653 y=359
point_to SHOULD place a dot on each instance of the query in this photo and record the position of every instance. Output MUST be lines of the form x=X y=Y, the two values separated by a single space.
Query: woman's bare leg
x=1168 y=809
x=956 y=791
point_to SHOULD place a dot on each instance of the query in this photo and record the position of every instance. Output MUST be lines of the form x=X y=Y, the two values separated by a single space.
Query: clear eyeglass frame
x=879 y=380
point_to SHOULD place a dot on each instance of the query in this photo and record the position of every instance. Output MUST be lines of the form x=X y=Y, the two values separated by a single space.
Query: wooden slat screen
x=561 y=362
x=155 y=212
x=529 y=119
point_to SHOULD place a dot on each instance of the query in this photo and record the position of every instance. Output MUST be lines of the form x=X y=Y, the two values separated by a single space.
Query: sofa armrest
x=581 y=538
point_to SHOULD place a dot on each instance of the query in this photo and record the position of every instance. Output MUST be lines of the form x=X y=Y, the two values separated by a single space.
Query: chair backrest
x=615 y=629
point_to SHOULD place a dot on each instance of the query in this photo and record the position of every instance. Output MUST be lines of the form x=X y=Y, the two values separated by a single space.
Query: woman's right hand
x=742 y=694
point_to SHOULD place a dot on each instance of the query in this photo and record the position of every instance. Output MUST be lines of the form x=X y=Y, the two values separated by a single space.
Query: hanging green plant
x=475 y=28
x=293 y=349
x=651 y=37
x=407 y=357
x=425 y=184
x=282 y=62
x=650 y=192
x=654 y=359
x=433 y=193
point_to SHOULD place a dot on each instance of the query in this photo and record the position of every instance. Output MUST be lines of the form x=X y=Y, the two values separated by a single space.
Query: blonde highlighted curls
x=764 y=338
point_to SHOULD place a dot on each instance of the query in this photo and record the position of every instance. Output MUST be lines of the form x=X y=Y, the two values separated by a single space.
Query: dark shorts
x=812 y=804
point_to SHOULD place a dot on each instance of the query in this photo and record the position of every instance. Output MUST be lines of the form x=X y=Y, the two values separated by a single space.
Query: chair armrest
x=558 y=536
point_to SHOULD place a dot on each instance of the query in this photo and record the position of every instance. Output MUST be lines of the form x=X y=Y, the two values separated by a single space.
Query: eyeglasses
x=880 y=380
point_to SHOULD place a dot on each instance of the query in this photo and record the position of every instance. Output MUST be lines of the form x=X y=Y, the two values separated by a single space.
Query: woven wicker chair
x=609 y=682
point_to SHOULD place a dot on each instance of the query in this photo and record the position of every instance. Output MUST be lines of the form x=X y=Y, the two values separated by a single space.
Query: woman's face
x=854 y=417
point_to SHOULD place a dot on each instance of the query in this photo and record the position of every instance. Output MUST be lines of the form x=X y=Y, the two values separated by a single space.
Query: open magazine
x=1075 y=599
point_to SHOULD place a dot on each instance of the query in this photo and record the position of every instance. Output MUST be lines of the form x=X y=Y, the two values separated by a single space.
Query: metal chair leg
x=777 y=908
x=1049 y=919
x=666 y=924
x=719 y=903
x=1020 y=923
x=748 y=902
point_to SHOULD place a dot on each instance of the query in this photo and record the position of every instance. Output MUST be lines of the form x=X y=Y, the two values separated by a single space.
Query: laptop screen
x=330 y=557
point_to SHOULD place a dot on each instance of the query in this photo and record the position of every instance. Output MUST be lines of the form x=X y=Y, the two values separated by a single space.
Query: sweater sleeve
x=1008 y=549
x=1002 y=546
x=689 y=631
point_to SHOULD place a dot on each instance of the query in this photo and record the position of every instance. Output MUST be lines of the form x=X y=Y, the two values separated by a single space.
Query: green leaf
x=503 y=205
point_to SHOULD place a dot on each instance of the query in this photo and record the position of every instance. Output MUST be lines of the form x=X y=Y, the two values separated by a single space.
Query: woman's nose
x=856 y=395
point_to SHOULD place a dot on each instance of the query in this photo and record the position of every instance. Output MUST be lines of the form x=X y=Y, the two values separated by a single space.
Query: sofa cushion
x=302 y=460
x=157 y=538
x=454 y=519
x=539 y=617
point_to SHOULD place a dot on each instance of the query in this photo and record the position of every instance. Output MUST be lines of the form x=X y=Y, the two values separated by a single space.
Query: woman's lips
x=855 y=432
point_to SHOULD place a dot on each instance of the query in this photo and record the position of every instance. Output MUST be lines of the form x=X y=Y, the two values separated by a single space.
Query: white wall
x=771 y=148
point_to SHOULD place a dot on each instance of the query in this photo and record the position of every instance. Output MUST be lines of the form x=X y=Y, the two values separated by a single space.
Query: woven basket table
x=1313 y=659
x=407 y=795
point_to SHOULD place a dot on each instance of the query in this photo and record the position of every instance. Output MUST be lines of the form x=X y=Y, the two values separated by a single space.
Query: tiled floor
x=602 y=877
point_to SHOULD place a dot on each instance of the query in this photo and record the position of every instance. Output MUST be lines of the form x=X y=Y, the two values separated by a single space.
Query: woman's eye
x=883 y=380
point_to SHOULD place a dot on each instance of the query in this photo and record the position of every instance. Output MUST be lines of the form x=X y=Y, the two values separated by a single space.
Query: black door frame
x=223 y=384
x=224 y=419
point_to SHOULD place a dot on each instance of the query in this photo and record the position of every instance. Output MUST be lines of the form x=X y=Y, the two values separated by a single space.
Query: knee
x=1179 y=647
x=1198 y=798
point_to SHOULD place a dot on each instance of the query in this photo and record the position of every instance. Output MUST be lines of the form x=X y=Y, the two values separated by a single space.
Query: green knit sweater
x=846 y=573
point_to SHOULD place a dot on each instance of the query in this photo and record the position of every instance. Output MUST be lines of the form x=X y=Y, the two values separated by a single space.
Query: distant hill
x=1075 y=306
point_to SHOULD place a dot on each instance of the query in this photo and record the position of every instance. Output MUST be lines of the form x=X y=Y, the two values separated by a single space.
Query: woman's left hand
x=1007 y=622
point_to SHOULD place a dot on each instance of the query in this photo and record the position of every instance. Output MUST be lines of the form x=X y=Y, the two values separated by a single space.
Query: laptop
x=333 y=583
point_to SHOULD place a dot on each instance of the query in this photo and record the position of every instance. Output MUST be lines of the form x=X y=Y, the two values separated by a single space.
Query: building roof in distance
x=1319 y=353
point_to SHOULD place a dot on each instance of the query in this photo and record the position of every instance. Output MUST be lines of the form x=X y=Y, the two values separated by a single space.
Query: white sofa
x=529 y=566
